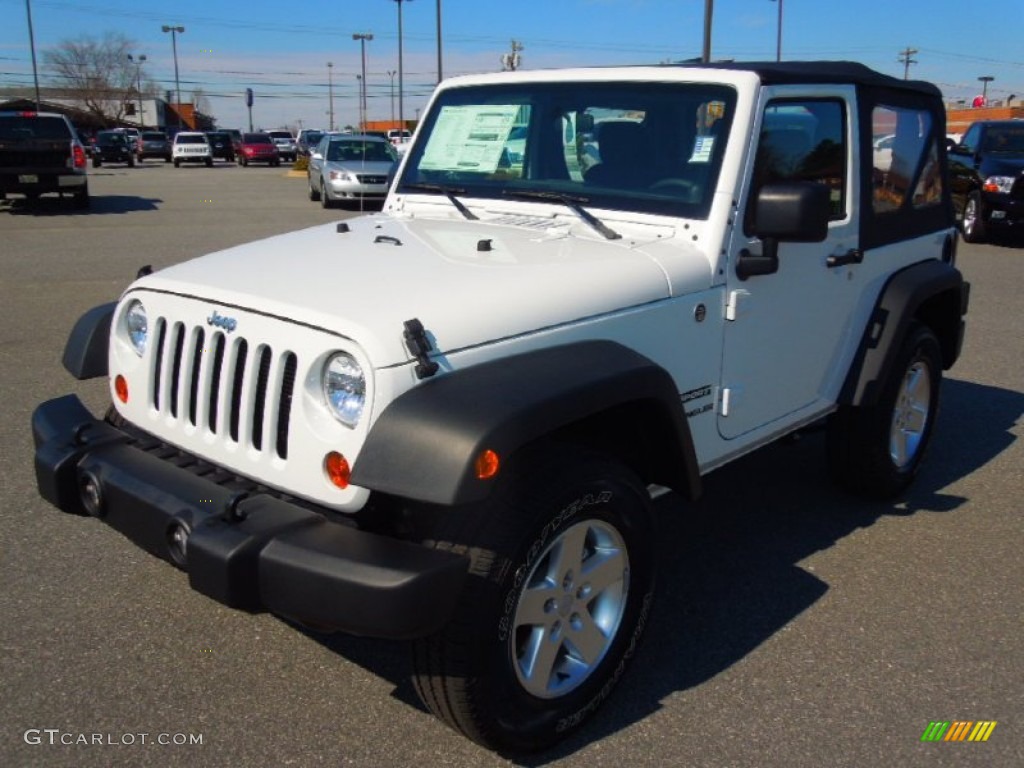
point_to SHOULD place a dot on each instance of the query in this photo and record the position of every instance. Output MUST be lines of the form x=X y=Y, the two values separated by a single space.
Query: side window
x=804 y=140
x=971 y=138
x=905 y=162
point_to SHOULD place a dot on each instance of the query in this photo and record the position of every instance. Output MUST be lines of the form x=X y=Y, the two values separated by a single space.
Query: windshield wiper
x=449 y=192
x=572 y=202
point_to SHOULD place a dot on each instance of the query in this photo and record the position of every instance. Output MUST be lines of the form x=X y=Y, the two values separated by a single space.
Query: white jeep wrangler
x=441 y=422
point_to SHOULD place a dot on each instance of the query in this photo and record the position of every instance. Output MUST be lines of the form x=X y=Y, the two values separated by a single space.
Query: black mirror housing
x=796 y=212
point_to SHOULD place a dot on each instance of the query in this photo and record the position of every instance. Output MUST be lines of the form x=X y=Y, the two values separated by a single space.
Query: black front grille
x=368 y=179
x=225 y=385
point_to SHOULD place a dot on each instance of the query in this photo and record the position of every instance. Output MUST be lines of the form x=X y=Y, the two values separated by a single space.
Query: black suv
x=987 y=178
x=113 y=147
x=221 y=145
x=40 y=152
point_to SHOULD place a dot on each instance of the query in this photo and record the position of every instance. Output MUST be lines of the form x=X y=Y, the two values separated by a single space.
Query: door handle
x=852 y=256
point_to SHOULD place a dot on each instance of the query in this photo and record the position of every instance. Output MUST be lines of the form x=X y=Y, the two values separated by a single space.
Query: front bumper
x=250 y=550
x=1003 y=210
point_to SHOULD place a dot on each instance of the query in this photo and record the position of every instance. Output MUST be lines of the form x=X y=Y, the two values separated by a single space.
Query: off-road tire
x=876 y=451
x=471 y=673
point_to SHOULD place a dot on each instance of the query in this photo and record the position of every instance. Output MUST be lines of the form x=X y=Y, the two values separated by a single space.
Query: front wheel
x=560 y=585
x=974 y=229
x=877 y=450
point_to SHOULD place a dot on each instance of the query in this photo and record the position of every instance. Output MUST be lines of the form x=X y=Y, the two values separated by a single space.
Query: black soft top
x=796 y=72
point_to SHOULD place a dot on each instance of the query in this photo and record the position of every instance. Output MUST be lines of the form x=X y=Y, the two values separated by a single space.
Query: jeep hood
x=468 y=282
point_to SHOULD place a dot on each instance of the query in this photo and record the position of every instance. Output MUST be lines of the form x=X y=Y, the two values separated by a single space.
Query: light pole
x=362 y=117
x=330 y=93
x=362 y=37
x=439 y=75
x=32 y=45
x=175 y=31
x=985 y=80
x=778 y=34
x=391 y=75
x=138 y=77
x=401 y=83
x=709 y=9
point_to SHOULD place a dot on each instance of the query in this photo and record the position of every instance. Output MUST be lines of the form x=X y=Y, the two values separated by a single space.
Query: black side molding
x=85 y=354
x=933 y=292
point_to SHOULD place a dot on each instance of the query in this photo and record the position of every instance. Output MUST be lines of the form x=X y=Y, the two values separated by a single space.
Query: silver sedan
x=350 y=168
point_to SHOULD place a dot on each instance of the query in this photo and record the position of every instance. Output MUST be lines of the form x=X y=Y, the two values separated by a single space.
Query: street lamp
x=391 y=75
x=330 y=92
x=778 y=34
x=175 y=31
x=362 y=37
x=138 y=77
x=401 y=83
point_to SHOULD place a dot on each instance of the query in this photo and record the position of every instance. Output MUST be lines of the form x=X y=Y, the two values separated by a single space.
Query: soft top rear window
x=193 y=139
x=150 y=136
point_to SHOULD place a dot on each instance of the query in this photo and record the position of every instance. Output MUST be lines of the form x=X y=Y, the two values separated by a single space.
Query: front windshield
x=360 y=152
x=650 y=147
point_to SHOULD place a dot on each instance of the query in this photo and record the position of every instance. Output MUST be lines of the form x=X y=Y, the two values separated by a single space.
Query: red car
x=258 y=148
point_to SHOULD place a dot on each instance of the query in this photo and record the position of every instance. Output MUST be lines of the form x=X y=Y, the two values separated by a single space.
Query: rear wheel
x=177 y=163
x=877 y=450
x=560 y=584
x=209 y=162
x=974 y=230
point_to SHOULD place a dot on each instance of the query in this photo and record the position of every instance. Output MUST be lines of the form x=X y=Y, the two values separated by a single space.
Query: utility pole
x=439 y=75
x=362 y=37
x=330 y=93
x=32 y=45
x=175 y=31
x=391 y=76
x=905 y=58
x=510 y=61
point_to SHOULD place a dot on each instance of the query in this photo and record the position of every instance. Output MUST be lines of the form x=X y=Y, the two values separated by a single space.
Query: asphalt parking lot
x=795 y=626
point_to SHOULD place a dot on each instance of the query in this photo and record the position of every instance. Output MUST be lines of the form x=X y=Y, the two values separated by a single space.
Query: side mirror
x=316 y=155
x=793 y=212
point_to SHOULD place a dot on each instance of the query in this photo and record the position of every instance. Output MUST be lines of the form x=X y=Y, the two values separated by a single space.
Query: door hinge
x=738 y=303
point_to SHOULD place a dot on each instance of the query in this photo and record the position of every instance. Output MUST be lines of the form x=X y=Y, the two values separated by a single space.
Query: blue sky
x=280 y=49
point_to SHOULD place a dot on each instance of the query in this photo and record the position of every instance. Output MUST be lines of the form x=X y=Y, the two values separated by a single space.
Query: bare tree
x=96 y=72
x=200 y=102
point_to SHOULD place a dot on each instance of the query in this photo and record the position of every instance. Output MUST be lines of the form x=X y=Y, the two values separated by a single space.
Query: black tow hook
x=232 y=513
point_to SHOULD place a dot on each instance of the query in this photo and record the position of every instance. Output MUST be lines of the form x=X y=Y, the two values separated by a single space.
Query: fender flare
x=85 y=354
x=425 y=443
x=931 y=291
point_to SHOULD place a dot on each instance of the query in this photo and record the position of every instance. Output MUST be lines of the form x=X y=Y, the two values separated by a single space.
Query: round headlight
x=137 y=323
x=344 y=388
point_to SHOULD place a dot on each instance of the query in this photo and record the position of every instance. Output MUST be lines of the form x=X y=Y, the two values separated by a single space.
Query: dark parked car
x=258 y=148
x=40 y=153
x=987 y=178
x=153 y=144
x=113 y=147
x=221 y=145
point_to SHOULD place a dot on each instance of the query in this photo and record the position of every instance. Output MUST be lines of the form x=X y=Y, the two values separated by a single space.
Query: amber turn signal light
x=337 y=468
x=121 y=388
x=487 y=464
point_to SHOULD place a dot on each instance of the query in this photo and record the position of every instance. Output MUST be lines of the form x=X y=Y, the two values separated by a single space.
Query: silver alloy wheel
x=570 y=608
x=970 y=216
x=910 y=414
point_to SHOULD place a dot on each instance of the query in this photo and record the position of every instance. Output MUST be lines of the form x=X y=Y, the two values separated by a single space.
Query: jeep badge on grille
x=222 y=321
